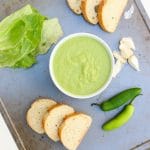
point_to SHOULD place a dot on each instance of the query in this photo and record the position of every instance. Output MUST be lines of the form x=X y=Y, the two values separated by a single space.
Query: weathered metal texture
x=11 y=126
x=19 y=87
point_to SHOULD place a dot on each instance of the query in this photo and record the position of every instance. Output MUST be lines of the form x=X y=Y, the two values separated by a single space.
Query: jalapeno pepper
x=120 y=99
x=120 y=119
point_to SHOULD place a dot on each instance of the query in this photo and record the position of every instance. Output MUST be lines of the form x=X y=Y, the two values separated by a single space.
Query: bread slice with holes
x=75 y=6
x=54 y=118
x=110 y=12
x=73 y=129
x=36 y=113
x=89 y=10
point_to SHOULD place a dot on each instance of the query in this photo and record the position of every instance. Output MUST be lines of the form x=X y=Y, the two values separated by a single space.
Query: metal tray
x=19 y=87
x=11 y=126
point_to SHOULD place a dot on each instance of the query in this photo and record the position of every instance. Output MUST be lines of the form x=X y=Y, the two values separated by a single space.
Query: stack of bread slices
x=59 y=122
x=105 y=12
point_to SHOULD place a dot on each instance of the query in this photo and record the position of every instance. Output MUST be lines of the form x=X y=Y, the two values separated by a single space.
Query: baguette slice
x=89 y=10
x=75 y=6
x=36 y=112
x=110 y=12
x=54 y=118
x=73 y=129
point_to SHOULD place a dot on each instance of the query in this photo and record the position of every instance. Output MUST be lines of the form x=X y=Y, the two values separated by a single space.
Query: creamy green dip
x=81 y=65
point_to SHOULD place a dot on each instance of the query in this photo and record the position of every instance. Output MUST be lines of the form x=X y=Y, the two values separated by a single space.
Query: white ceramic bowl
x=51 y=65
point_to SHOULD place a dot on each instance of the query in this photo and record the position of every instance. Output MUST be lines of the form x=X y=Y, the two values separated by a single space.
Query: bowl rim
x=54 y=52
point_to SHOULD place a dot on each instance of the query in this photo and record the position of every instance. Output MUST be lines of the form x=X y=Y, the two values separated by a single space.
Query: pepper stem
x=94 y=104
x=134 y=98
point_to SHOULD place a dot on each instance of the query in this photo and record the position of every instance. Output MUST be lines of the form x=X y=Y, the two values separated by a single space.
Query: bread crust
x=83 y=8
x=84 y=4
x=76 y=12
x=50 y=114
x=100 y=18
x=64 y=124
x=29 y=115
x=46 y=115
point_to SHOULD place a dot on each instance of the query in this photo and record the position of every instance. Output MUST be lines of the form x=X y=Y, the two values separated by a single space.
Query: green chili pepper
x=120 y=99
x=120 y=119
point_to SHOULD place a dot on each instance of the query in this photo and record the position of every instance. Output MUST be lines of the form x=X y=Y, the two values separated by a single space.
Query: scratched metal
x=19 y=87
x=11 y=126
x=142 y=146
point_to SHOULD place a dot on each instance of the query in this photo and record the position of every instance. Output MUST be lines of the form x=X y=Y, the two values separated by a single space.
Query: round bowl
x=51 y=65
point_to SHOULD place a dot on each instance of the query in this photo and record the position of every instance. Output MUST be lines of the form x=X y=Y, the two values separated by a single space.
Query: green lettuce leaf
x=22 y=36
x=25 y=62
x=8 y=21
x=51 y=32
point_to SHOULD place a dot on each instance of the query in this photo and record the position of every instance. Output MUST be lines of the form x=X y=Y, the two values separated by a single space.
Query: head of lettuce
x=24 y=35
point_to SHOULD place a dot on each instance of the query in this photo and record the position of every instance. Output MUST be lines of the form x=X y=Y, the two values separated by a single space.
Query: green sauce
x=81 y=65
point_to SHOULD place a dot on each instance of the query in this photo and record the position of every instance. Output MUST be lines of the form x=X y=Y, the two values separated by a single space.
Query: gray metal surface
x=11 y=126
x=142 y=10
x=143 y=146
x=19 y=87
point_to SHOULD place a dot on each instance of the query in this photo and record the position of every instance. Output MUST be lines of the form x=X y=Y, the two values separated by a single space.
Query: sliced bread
x=109 y=13
x=54 y=118
x=89 y=10
x=75 y=6
x=36 y=112
x=73 y=129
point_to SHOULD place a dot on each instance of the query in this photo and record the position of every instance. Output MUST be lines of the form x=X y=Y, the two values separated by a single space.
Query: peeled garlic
x=119 y=57
x=125 y=51
x=128 y=42
x=133 y=61
x=117 y=68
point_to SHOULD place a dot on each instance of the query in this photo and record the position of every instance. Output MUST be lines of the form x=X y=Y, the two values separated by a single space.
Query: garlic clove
x=125 y=51
x=117 y=68
x=128 y=42
x=118 y=56
x=133 y=61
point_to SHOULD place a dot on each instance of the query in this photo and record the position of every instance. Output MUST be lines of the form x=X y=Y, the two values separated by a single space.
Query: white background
x=6 y=139
x=146 y=4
